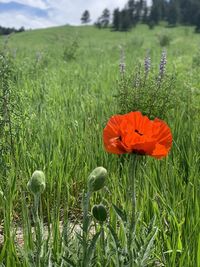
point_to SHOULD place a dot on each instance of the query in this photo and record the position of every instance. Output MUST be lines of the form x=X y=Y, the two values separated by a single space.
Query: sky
x=47 y=13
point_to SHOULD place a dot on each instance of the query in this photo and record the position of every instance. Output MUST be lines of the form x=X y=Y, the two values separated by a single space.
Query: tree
x=196 y=16
x=194 y=12
x=173 y=13
x=189 y=10
x=131 y=11
x=98 y=23
x=164 y=8
x=116 y=20
x=22 y=29
x=156 y=12
x=197 y=24
x=104 y=20
x=125 y=21
x=139 y=9
x=184 y=8
x=145 y=13
x=85 y=17
x=6 y=31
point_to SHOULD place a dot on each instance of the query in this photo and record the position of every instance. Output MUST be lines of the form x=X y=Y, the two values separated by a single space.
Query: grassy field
x=62 y=85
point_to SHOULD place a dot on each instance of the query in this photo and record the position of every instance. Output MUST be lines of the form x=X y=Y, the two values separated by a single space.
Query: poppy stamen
x=136 y=131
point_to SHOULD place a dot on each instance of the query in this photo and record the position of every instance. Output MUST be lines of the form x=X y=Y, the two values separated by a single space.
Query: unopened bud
x=36 y=184
x=96 y=179
x=99 y=212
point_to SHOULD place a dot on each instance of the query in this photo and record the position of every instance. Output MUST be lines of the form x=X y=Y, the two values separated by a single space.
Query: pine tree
x=131 y=10
x=197 y=23
x=173 y=13
x=189 y=10
x=145 y=13
x=164 y=8
x=155 y=14
x=196 y=15
x=85 y=17
x=158 y=11
x=116 y=20
x=194 y=12
x=125 y=21
x=139 y=9
x=184 y=11
x=104 y=20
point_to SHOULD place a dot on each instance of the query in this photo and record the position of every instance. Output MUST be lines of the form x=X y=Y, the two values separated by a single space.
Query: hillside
x=58 y=89
x=91 y=42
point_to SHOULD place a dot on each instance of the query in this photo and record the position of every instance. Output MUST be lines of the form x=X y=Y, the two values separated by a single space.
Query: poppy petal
x=160 y=151
x=135 y=133
x=164 y=135
x=111 y=135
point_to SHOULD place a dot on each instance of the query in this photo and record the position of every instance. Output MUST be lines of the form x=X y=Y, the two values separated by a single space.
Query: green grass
x=65 y=105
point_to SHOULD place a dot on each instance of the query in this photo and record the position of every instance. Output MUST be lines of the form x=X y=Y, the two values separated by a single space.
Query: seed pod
x=36 y=184
x=96 y=179
x=99 y=212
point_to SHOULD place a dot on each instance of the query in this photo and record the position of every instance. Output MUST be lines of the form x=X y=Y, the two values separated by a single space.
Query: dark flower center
x=139 y=152
x=136 y=131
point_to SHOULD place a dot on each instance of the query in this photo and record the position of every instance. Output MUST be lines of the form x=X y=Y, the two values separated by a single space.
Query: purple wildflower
x=163 y=63
x=147 y=64
x=122 y=65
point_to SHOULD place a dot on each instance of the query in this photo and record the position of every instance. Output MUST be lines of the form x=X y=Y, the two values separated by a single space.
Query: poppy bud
x=36 y=184
x=96 y=179
x=99 y=212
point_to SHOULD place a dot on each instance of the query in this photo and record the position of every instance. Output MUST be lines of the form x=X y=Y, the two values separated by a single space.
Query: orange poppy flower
x=135 y=133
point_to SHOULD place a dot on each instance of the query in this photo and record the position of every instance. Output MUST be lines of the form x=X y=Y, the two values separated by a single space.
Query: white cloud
x=18 y=20
x=34 y=3
x=59 y=12
x=70 y=11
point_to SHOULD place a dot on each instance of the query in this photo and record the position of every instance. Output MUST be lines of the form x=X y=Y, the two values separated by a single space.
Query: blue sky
x=46 y=13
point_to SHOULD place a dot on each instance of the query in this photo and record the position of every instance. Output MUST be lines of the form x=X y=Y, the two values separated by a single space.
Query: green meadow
x=62 y=88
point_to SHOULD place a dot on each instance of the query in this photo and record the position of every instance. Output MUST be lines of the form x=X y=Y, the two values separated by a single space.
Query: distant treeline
x=184 y=12
x=6 y=31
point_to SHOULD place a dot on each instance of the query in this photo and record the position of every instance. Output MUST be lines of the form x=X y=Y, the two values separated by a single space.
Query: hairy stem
x=132 y=178
x=38 y=230
x=86 y=202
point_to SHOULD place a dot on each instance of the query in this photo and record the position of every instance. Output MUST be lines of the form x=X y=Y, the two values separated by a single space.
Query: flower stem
x=103 y=245
x=38 y=229
x=132 y=177
x=86 y=222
